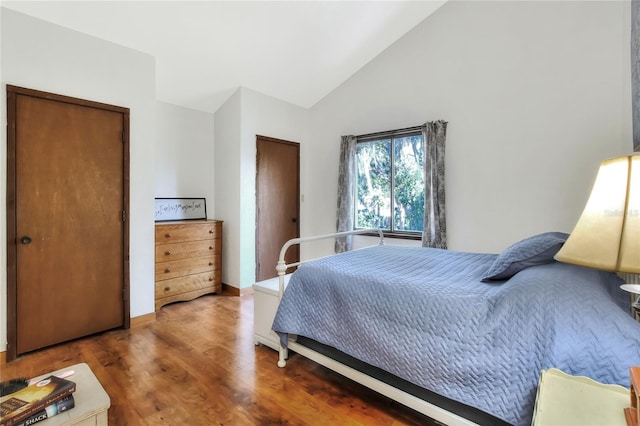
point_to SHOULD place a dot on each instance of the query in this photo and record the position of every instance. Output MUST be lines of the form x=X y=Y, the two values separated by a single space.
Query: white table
x=566 y=400
x=91 y=401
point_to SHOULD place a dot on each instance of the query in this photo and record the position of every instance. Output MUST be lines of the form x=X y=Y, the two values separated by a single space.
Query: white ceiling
x=297 y=51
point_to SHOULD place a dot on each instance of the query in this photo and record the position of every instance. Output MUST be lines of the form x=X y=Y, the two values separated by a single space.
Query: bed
x=460 y=337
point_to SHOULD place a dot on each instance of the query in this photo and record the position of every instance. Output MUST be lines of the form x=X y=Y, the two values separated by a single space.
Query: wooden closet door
x=70 y=207
x=277 y=205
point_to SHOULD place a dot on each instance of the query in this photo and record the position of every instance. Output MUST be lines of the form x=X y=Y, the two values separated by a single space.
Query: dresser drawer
x=173 y=269
x=180 y=285
x=177 y=251
x=178 y=232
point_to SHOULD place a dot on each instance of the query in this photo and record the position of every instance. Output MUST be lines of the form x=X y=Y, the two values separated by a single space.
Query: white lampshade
x=607 y=236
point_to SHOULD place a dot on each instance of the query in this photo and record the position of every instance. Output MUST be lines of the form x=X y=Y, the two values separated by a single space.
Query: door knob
x=25 y=240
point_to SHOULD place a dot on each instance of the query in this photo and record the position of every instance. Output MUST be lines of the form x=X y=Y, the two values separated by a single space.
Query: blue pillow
x=536 y=250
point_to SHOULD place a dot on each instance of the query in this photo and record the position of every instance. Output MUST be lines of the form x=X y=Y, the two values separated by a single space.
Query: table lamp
x=607 y=235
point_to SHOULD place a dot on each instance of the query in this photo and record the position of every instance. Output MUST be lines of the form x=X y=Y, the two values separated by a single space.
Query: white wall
x=184 y=154
x=536 y=95
x=244 y=116
x=227 y=185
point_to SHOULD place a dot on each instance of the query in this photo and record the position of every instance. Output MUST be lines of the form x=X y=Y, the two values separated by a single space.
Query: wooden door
x=67 y=203
x=277 y=206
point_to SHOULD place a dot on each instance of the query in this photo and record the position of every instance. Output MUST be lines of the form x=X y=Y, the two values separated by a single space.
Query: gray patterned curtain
x=346 y=185
x=635 y=71
x=434 y=234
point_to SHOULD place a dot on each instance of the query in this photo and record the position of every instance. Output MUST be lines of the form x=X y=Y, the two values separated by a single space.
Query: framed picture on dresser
x=170 y=209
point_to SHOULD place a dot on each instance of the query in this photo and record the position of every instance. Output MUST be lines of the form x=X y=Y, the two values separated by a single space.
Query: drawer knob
x=167 y=288
x=211 y=231
x=167 y=253
x=210 y=247
x=167 y=235
x=210 y=278
x=210 y=263
x=167 y=270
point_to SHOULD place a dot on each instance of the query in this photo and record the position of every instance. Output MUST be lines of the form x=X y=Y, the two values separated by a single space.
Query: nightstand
x=566 y=400
x=91 y=401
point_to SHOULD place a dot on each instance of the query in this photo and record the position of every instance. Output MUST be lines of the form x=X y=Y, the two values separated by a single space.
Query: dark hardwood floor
x=197 y=364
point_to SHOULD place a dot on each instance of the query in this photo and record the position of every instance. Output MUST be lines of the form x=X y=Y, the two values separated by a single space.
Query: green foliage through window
x=390 y=183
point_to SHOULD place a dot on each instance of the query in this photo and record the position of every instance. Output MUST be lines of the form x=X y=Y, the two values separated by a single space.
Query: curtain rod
x=390 y=132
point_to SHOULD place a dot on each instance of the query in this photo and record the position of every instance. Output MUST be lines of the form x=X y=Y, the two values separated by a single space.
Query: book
x=66 y=403
x=20 y=405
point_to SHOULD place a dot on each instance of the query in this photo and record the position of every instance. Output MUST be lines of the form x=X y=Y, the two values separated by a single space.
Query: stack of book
x=37 y=401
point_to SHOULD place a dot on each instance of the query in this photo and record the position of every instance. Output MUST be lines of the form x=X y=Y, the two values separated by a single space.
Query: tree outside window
x=390 y=183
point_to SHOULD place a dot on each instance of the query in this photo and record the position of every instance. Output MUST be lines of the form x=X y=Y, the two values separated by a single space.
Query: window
x=390 y=182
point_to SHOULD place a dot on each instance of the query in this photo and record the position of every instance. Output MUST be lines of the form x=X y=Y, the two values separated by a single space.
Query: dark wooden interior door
x=67 y=207
x=277 y=205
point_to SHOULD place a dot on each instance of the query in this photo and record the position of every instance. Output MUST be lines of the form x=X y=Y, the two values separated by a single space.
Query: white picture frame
x=170 y=209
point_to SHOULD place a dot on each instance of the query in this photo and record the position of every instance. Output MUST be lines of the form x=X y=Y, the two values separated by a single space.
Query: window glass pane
x=373 y=187
x=408 y=184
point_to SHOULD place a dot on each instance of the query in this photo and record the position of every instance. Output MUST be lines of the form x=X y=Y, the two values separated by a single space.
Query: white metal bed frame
x=433 y=411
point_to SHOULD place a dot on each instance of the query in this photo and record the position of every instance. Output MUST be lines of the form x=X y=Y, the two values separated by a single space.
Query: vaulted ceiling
x=296 y=51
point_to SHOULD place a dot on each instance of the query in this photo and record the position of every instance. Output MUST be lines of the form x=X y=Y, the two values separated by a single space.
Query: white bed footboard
x=282 y=267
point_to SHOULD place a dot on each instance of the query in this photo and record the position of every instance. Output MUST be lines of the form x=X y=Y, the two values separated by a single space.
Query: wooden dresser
x=188 y=260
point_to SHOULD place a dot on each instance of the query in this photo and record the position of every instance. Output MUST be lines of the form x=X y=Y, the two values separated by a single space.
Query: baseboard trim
x=142 y=319
x=229 y=290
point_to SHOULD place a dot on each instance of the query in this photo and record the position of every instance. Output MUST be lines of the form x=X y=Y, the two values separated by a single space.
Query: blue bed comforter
x=425 y=316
